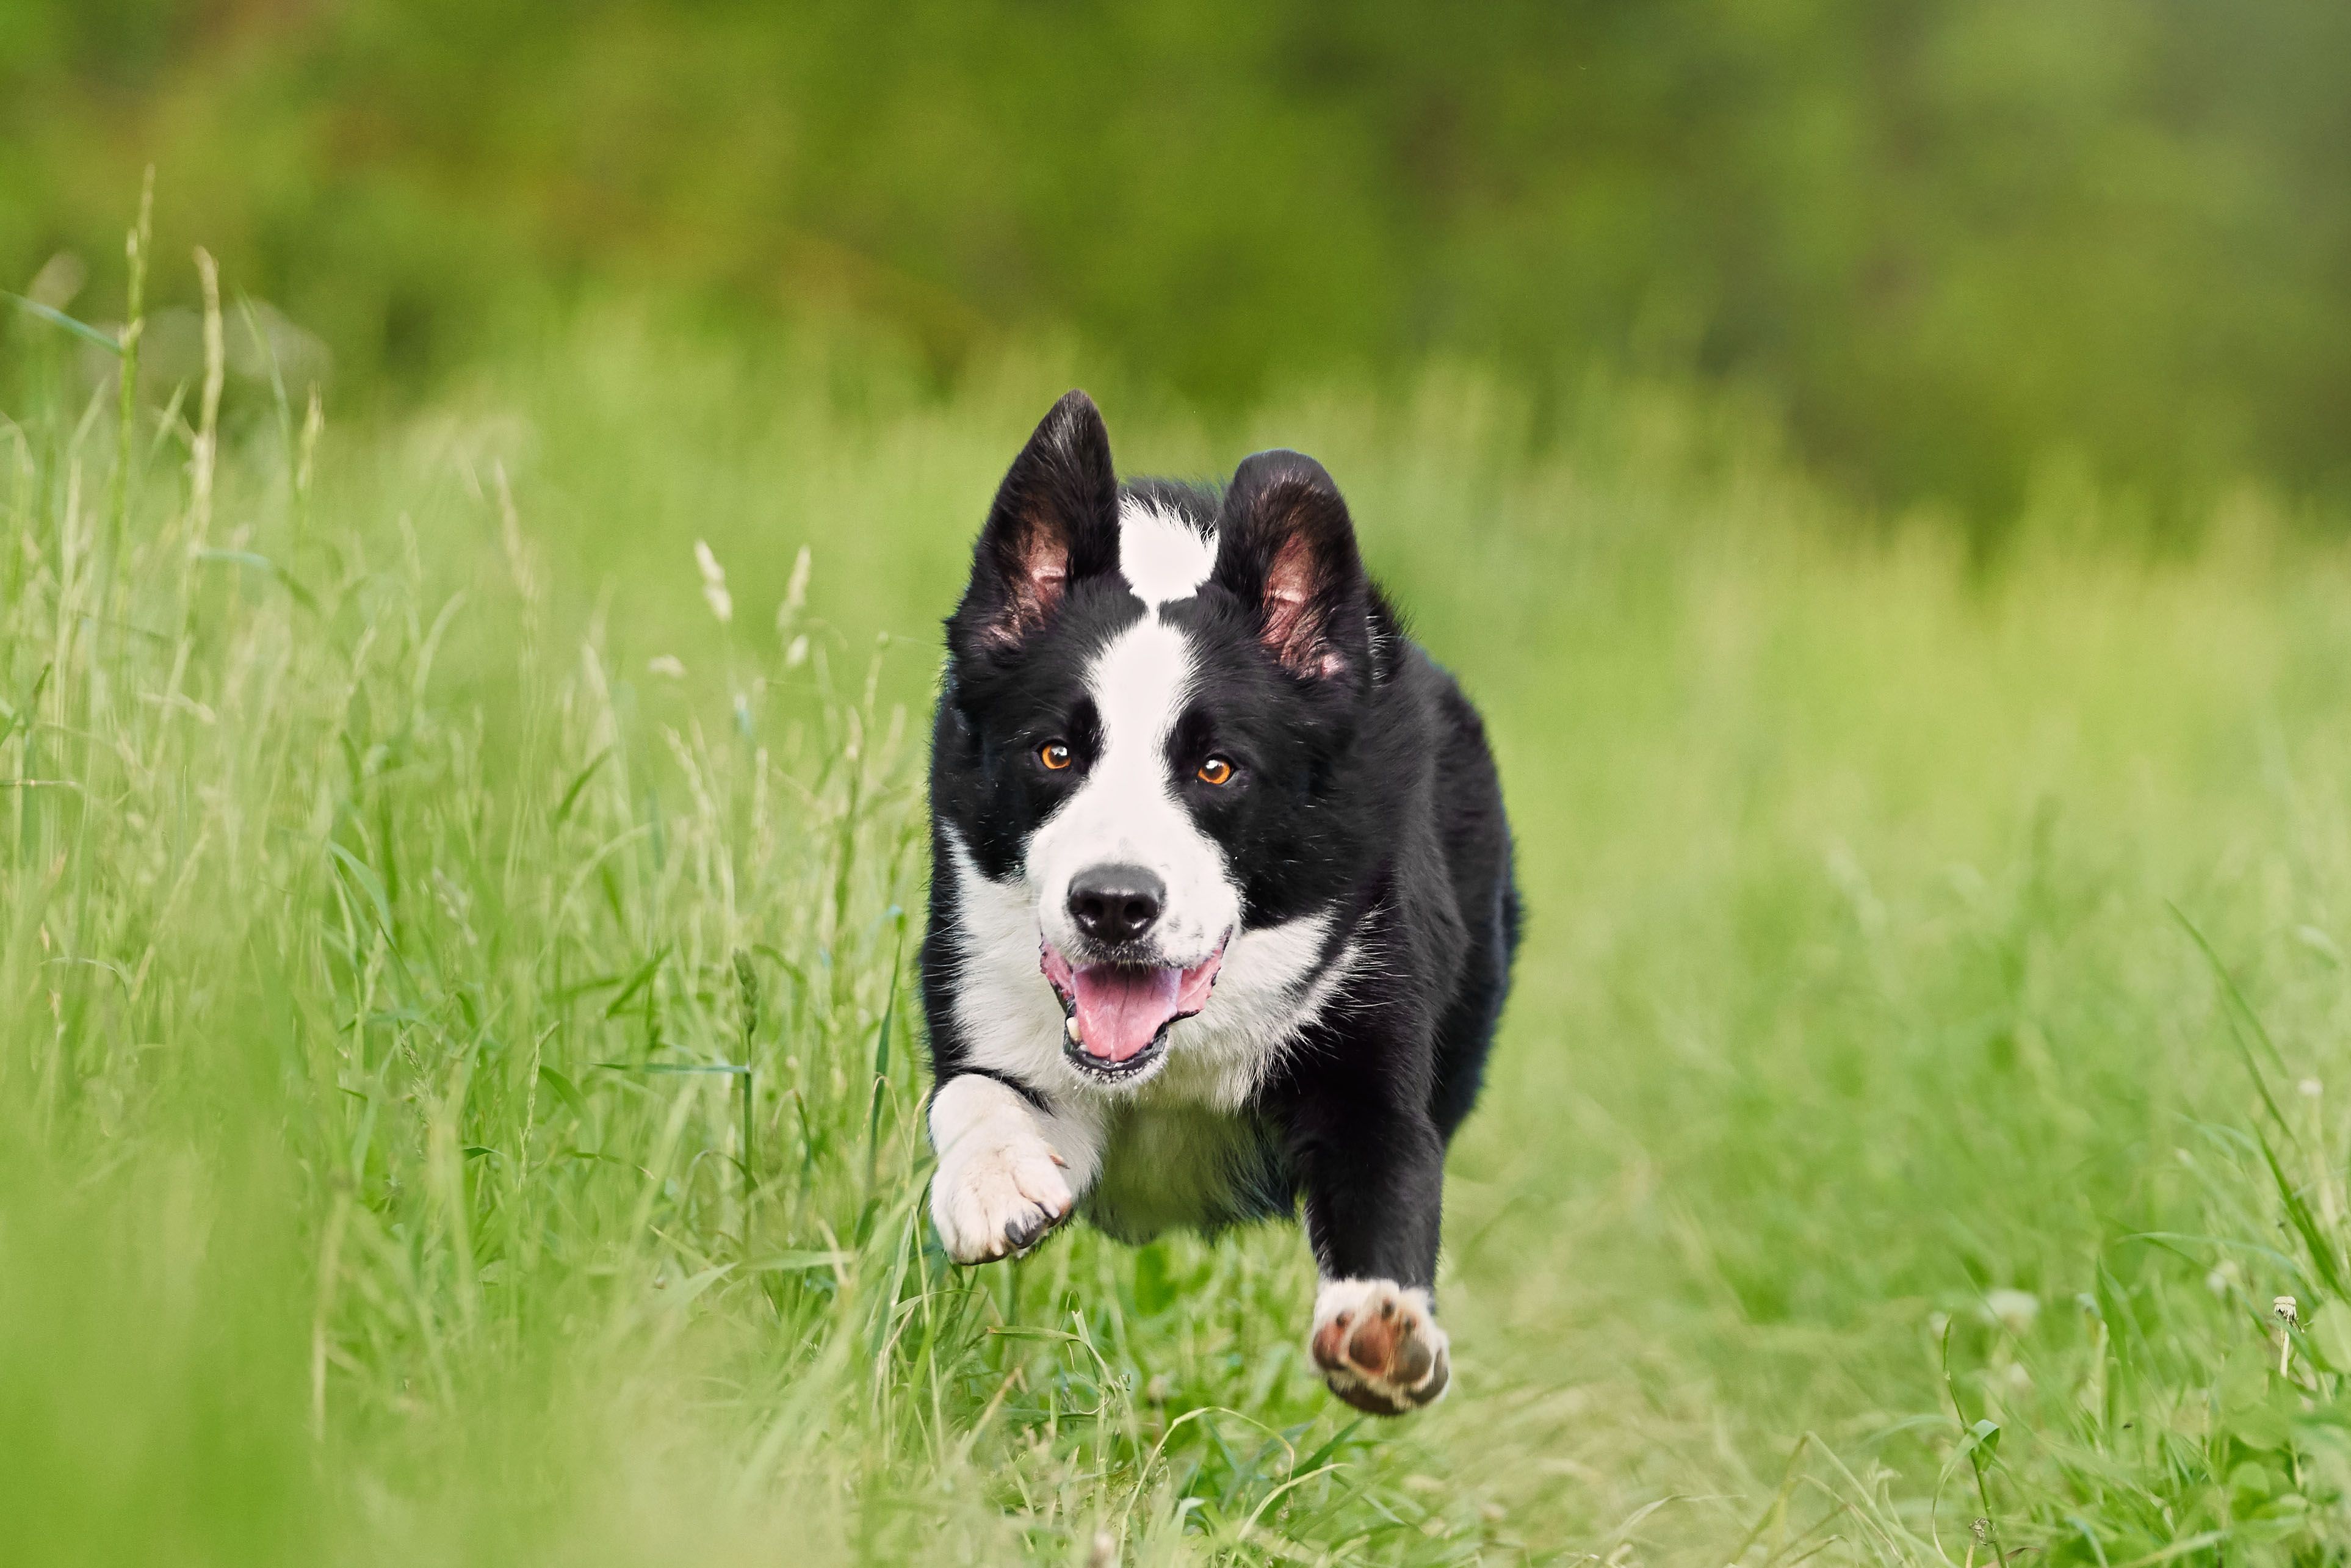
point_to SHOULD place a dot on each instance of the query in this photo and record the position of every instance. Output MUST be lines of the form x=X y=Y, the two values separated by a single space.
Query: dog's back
x=1476 y=836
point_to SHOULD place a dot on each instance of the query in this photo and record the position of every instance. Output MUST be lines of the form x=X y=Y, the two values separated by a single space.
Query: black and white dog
x=1221 y=908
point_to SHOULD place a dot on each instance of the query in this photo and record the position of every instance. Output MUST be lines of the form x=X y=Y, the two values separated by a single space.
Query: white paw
x=999 y=1198
x=1378 y=1345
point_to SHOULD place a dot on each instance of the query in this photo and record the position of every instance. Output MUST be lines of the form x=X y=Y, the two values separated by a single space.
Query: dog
x=1222 y=909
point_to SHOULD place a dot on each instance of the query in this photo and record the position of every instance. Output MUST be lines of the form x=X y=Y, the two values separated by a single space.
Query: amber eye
x=1054 y=753
x=1216 y=771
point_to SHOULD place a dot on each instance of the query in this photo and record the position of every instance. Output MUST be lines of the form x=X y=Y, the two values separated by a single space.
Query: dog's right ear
x=1054 y=523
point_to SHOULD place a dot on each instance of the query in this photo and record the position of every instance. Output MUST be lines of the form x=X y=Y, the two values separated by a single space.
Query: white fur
x=1004 y=1008
x=1002 y=1165
x=1332 y=1297
x=1127 y=813
x=1008 y=1016
x=1162 y=557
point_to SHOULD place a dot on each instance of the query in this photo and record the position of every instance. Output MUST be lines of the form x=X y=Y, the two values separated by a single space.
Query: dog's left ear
x=1286 y=546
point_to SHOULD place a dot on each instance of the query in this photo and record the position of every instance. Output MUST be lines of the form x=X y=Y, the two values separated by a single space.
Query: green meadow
x=460 y=1096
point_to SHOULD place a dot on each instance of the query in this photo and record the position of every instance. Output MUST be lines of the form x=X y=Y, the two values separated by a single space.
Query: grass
x=460 y=1102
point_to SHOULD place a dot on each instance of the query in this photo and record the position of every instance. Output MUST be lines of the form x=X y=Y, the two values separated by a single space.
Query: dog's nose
x=1117 y=903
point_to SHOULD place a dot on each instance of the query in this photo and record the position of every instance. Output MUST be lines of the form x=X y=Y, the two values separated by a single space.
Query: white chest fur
x=1166 y=1164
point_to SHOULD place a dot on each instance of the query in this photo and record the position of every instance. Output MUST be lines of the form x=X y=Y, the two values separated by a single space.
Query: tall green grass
x=459 y=1085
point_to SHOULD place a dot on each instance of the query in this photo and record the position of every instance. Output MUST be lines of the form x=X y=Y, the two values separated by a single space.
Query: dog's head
x=1150 y=690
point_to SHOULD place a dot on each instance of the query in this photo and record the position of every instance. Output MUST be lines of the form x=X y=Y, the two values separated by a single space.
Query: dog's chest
x=1169 y=1163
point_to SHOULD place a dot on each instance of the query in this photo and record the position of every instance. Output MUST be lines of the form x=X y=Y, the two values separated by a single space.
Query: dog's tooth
x=1077 y=1036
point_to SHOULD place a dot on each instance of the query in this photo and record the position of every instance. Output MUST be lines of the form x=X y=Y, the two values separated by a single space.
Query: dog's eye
x=1054 y=753
x=1216 y=771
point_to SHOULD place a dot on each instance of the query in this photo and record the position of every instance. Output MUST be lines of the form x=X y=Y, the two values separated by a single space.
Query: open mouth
x=1118 y=1015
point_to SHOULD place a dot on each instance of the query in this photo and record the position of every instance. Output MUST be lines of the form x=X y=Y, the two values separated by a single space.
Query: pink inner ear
x=1044 y=570
x=1293 y=630
x=1047 y=564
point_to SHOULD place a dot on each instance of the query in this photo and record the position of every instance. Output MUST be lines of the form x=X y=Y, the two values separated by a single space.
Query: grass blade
x=82 y=329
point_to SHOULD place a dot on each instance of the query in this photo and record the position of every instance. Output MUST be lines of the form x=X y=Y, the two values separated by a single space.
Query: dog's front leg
x=1374 y=1175
x=1008 y=1171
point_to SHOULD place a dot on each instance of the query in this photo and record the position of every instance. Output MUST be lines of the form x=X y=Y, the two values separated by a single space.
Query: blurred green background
x=1960 y=245
x=1877 y=467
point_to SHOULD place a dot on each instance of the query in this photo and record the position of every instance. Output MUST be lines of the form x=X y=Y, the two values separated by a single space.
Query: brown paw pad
x=1379 y=1346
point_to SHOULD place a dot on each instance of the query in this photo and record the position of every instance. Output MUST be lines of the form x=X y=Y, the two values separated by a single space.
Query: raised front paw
x=1378 y=1345
x=999 y=1201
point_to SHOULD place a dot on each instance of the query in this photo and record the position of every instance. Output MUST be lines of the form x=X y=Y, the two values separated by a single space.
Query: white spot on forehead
x=1162 y=557
x=1140 y=684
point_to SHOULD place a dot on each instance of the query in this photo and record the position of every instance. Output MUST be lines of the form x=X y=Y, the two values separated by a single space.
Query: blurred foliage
x=1956 y=241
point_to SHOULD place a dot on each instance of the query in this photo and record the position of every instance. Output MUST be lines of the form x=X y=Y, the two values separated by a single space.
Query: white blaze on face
x=1127 y=812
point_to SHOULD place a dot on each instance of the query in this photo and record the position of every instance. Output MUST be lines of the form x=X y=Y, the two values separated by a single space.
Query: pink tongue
x=1120 y=1010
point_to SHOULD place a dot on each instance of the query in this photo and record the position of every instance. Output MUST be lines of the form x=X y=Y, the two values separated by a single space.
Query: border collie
x=1222 y=912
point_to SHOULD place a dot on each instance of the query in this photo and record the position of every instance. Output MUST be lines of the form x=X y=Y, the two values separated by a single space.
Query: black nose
x=1117 y=903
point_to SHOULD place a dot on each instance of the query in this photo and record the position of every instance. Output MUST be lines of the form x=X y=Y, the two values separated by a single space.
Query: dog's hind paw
x=999 y=1201
x=1379 y=1346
